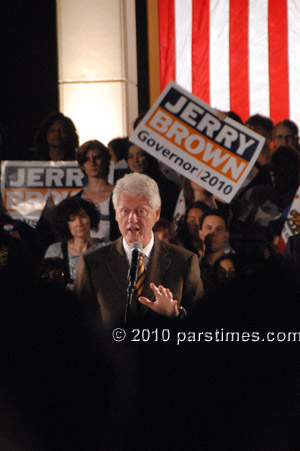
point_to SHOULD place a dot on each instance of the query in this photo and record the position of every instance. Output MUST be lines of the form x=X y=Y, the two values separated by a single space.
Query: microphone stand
x=132 y=279
x=130 y=295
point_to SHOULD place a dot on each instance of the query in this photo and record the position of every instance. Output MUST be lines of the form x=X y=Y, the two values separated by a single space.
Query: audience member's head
x=214 y=232
x=261 y=124
x=234 y=116
x=137 y=159
x=56 y=138
x=193 y=216
x=225 y=268
x=142 y=162
x=286 y=132
x=68 y=209
x=231 y=114
x=94 y=159
x=189 y=228
x=165 y=231
x=118 y=148
x=264 y=126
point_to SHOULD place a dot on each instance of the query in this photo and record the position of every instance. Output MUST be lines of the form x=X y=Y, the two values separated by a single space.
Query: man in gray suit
x=171 y=272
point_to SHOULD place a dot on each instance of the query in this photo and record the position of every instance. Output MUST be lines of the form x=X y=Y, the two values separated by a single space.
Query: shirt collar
x=146 y=250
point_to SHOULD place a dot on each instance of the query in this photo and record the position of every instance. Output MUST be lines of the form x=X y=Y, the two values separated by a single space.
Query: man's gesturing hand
x=164 y=303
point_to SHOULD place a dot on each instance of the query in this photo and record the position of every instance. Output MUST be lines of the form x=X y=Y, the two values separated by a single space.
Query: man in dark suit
x=171 y=272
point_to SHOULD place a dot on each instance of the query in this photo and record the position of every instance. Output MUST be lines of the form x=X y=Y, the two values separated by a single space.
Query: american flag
x=238 y=55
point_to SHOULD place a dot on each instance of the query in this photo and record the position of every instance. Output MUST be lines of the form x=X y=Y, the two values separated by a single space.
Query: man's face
x=283 y=136
x=215 y=227
x=135 y=218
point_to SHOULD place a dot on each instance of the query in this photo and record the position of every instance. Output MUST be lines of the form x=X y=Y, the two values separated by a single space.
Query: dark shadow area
x=28 y=78
x=142 y=55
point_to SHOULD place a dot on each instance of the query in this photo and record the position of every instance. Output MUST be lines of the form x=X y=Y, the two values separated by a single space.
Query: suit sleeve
x=193 y=286
x=84 y=289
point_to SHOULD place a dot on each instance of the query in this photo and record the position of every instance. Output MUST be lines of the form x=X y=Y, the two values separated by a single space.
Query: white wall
x=97 y=66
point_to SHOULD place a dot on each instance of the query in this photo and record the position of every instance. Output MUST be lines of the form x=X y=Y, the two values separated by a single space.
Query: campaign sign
x=186 y=134
x=26 y=185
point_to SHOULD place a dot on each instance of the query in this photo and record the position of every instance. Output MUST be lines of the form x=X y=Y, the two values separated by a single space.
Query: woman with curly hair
x=56 y=139
x=74 y=219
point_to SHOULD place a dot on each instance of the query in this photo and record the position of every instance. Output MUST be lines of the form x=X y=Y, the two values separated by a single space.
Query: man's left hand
x=164 y=303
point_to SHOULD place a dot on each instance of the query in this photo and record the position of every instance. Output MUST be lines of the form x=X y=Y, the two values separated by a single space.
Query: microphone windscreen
x=136 y=245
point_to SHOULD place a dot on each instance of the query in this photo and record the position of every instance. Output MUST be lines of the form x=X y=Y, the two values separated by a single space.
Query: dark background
x=28 y=75
x=28 y=87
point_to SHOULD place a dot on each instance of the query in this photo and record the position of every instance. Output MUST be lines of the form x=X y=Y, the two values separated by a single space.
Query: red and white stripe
x=239 y=55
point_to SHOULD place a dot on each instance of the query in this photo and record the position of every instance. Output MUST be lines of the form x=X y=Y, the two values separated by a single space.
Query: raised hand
x=164 y=303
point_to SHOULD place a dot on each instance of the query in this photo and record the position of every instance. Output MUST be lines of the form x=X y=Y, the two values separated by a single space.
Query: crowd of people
x=256 y=214
x=214 y=265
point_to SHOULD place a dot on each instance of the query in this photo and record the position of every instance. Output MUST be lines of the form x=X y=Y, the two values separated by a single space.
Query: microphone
x=135 y=249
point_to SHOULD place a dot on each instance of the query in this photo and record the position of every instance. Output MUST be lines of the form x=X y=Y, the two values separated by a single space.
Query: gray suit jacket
x=101 y=279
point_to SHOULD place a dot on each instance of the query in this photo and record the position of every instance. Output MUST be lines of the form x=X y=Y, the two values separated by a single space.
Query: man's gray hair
x=139 y=185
